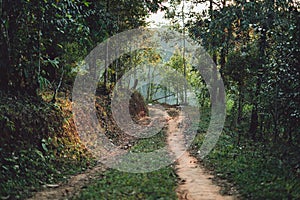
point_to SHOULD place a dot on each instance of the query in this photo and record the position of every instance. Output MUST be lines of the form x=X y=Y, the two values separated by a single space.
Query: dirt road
x=196 y=183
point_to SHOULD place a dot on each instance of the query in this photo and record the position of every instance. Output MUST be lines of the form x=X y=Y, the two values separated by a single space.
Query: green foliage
x=33 y=151
x=256 y=47
x=33 y=38
x=38 y=37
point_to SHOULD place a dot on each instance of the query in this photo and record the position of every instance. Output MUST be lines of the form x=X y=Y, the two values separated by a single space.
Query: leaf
x=44 y=147
x=52 y=185
x=40 y=154
x=60 y=46
x=5 y=197
x=87 y=4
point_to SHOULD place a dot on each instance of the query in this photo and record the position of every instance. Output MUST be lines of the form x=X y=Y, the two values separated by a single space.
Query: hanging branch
x=166 y=96
x=117 y=48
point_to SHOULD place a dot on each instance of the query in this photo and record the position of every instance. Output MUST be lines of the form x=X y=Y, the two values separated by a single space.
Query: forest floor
x=194 y=182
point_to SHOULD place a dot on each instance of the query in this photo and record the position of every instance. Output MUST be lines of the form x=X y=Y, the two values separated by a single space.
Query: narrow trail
x=196 y=183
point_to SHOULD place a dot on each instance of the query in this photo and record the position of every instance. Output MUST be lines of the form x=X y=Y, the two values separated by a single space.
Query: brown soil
x=196 y=183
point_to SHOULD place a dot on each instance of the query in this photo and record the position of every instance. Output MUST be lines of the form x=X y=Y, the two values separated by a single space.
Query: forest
x=252 y=53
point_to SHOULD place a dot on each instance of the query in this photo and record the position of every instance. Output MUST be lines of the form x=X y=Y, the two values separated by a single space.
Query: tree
x=256 y=47
x=37 y=38
x=32 y=37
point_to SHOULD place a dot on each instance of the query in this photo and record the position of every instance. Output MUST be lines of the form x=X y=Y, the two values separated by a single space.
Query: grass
x=257 y=173
x=25 y=171
x=257 y=170
x=113 y=184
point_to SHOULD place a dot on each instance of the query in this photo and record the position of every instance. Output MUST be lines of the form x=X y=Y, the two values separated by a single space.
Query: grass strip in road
x=114 y=184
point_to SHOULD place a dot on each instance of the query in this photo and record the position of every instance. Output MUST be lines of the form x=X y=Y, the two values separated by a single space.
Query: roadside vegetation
x=256 y=169
x=34 y=152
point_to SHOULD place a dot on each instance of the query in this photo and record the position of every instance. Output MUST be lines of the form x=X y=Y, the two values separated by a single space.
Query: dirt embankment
x=73 y=186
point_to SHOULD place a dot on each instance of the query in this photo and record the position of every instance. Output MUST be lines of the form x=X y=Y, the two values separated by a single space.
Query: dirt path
x=71 y=188
x=196 y=183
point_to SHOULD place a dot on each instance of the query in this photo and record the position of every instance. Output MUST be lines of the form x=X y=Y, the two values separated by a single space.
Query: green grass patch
x=254 y=169
x=114 y=184
x=25 y=171
x=146 y=145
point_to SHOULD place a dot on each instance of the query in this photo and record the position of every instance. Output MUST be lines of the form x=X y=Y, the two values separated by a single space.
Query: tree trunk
x=254 y=114
x=5 y=51
x=240 y=105
x=253 y=123
x=4 y=66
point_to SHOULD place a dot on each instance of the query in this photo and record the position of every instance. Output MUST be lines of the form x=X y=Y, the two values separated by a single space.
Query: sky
x=157 y=19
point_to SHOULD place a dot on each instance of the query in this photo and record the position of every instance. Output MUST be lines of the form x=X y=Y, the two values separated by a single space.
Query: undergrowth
x=38 y=145
x=256 y=169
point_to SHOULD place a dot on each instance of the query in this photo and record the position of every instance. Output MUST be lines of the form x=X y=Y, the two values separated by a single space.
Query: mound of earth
x=137 y=109
x=137 y=106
